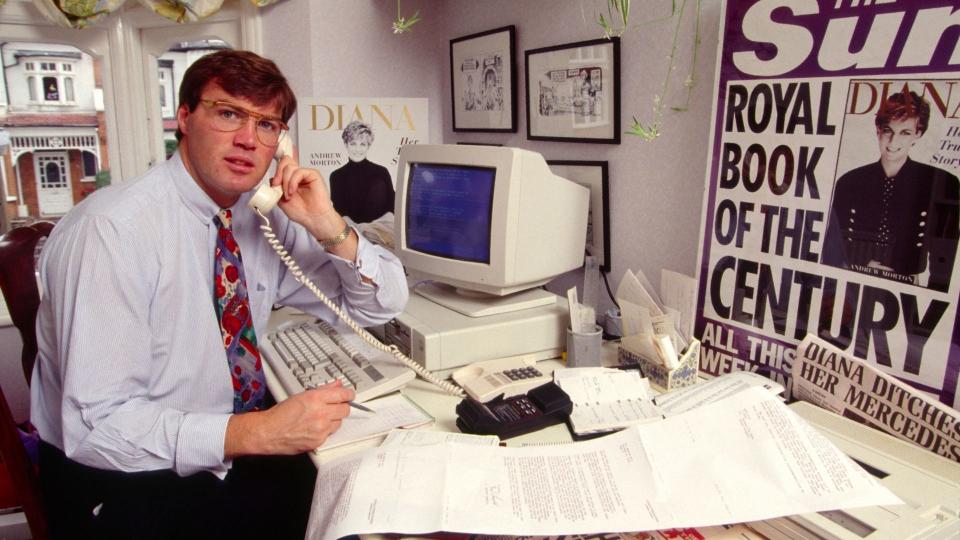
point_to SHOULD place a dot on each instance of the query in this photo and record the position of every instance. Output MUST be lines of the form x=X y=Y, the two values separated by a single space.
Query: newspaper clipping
x=826 y=377
x=832 y=190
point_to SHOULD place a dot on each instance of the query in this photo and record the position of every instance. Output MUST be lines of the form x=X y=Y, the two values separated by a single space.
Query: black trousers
x=261 y=497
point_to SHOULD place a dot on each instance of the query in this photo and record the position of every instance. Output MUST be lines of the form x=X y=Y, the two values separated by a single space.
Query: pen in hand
x=356 y=405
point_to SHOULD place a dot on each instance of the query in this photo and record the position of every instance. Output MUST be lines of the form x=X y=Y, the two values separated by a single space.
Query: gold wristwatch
x=338 y=239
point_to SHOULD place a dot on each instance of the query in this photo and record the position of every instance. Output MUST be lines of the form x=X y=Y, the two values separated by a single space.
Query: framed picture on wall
x=573 y=92
x=593 y=176
x=482 y=81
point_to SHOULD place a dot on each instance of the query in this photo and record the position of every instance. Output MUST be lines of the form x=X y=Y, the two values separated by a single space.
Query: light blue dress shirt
x=131 y=373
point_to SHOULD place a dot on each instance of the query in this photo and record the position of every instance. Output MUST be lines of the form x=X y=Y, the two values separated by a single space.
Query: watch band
x=338 y=239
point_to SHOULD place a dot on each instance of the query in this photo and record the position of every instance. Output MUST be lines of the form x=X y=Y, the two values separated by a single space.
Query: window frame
x=117 y=40
x=60 y=71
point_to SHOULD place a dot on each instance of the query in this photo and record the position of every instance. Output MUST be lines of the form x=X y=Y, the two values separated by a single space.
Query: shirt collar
x=194 y=198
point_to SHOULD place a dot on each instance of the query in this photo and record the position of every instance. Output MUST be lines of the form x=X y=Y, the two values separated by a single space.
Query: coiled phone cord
x=447 y=387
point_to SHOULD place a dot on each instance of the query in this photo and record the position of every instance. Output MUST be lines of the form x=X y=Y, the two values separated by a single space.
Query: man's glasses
x=230 y=117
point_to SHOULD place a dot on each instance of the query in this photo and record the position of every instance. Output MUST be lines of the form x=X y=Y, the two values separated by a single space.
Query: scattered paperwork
x=744 y=458
x=606 y=399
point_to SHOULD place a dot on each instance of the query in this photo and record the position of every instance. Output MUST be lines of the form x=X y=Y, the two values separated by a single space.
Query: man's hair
x=354 y=130
x=903 y=105
x=242 y=74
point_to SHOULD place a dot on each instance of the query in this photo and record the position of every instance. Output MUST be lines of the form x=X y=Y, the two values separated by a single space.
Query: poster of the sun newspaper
x=831 y=202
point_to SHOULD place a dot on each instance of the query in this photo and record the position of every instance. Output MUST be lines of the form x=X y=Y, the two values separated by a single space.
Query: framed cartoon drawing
x=482 y=81
x=593 y=176
x=573 y=92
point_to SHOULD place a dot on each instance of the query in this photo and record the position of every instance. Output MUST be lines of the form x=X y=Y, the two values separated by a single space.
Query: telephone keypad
x=515 y=408
x=517 y=374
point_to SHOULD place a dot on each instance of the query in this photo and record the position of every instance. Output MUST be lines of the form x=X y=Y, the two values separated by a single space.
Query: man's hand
x=299 y=424
x=306 y=201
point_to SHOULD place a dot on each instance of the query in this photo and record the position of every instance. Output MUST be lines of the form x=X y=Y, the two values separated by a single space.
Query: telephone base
x=442 y=339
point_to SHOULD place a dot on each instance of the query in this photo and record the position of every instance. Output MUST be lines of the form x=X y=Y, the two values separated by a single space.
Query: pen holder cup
x=583 y=348
x=658 y=374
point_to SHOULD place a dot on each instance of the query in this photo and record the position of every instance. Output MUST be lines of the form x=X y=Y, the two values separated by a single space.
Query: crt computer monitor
x=493 y=221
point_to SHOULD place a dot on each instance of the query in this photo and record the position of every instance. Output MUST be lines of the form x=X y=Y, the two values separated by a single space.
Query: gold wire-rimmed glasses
x=230 y=117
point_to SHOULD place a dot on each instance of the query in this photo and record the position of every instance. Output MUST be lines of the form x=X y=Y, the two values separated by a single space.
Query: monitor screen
x=449 y=210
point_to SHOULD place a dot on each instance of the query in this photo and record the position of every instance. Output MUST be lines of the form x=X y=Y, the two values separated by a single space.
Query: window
x=89 y=164
x=165 y=77
x=51 y=89
x=51 y=172
x=57 y=82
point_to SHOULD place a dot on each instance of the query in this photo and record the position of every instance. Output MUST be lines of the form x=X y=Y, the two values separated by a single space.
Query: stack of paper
x=606 y=399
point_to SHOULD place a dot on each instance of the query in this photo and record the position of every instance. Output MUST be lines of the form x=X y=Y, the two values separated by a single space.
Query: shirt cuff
x=367 y=265
x=200 y=444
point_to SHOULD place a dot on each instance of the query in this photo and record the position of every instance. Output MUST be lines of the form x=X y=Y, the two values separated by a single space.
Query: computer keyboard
x=311 y=354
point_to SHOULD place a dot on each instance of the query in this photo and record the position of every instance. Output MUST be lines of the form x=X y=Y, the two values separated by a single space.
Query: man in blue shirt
x=132 y=392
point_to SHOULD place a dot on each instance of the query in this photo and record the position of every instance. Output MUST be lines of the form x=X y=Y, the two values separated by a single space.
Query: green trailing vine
x=618 y=16
x=652 y=130
x=403 y=24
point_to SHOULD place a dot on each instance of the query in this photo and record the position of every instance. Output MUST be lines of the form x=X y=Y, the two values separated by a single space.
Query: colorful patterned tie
x=236 y=325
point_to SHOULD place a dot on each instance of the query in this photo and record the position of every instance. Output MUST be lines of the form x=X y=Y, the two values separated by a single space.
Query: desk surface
x=912 y=473
x=441 y=405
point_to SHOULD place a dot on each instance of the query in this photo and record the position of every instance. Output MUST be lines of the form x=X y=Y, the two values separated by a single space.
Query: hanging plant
x=618 y=15
x=403 y=24
x=652 y=130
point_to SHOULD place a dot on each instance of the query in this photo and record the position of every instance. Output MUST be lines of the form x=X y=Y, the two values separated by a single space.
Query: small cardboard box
x=661 y=377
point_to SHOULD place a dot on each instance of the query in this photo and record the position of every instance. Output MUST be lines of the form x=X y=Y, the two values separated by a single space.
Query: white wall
x=346 y=47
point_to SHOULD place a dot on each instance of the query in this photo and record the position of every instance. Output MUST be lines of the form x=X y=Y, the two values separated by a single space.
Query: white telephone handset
x=265 y=198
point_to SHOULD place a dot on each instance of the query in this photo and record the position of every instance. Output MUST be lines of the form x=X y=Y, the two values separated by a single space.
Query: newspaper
x=825 y=376
x=816 y=219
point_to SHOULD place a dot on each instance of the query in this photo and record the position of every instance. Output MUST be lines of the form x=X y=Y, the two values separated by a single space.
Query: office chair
x=19 y=285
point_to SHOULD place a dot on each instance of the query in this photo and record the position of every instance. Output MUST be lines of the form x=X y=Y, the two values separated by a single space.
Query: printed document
x=744 y=458
x=606 y=399
x=684 y=399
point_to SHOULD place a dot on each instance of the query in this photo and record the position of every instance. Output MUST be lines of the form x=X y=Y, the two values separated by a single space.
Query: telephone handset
x=267 y=196
x=263 y=200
